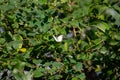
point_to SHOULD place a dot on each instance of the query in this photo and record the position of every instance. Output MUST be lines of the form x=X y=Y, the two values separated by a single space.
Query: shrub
x=89 y=48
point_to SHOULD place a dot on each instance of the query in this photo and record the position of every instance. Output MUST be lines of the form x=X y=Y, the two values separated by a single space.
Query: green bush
x=89 y=49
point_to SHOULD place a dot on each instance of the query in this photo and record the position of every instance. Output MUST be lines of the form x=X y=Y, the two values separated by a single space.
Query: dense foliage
x=89 y=50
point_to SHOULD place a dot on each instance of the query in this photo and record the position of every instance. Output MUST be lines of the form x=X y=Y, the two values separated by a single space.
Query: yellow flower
x=98 y=69
x=22 y=50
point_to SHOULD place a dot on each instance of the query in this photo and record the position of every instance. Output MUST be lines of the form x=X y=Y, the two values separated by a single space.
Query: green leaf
x=38 y=72
x=74 y=23
x=64 y=1
x=57 y=64
x=33 y=42
x=74 y=78
x=16 y=44
x=81 y=56
x=31 y=34
x=81 y=76
x=78 y=66
x=55 y=77
x=2 y=40
x=112 y=42
x=103 y=26
x=17 y=37
x=28 y=75
x=18 y=74
x=22 y=32
x=112 y=12
x=37 y=61
x=66 y=46
x=43 y=1
x=45 y=28
x=117 y=36
x=103 y=50
x=1 y=1
x=72 y=60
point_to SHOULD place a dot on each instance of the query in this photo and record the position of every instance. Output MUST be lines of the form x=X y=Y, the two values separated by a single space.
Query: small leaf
x=66 y=46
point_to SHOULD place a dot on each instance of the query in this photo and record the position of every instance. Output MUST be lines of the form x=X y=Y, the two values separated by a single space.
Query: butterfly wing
x=55 y=38
x=60 y=38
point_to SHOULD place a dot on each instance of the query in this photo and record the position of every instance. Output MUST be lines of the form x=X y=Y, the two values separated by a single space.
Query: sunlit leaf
x=103 y=26
x=75 y=78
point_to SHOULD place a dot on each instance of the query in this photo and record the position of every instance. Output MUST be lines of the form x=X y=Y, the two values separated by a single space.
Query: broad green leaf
x=64 y=1
x=103 y=50
x=78 y=66
x=17 y=37
x=17 y=44
x=111 y=12
x=1 y=1
x=75 y=23
x=57 y=64
x=33 y=42
x=37 y=61
x=22 y=32
x=2 y=40
x=31 y=34
x=82 y=56
x=74 y=78
x=28 y=75
x=72 y=60
x=103 y=26
x=43 y=1
x=112 y=42
x=81 y=76
x=117 y=36
x=38 y=72
x=55 y=77
x=14 y=45
x=46 y=27
x=18 y=76
x=115 y=15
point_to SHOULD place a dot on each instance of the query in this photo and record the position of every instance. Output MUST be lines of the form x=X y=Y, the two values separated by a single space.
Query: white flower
x=59 y=38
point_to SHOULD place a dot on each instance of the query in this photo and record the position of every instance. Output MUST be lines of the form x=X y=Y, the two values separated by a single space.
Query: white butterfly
x=59 y=38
